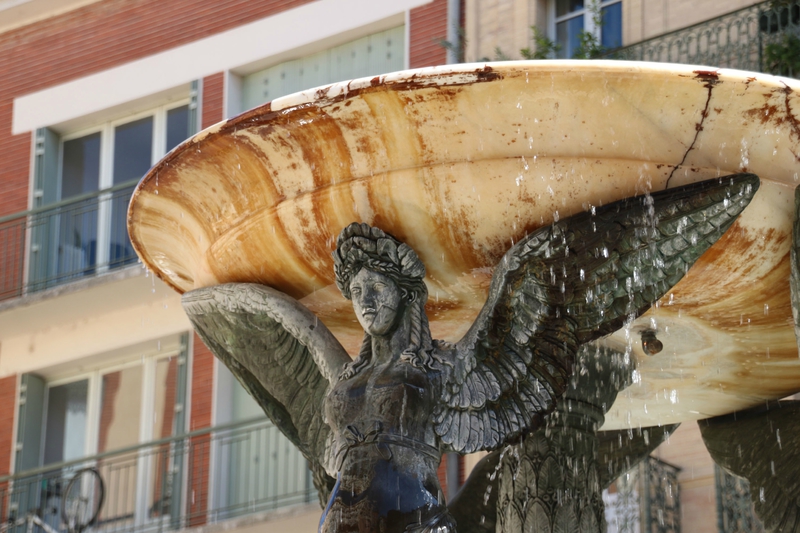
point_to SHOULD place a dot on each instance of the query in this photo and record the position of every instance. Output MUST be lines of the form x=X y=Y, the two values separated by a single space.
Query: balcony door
x=81 y=227
x=116 y=411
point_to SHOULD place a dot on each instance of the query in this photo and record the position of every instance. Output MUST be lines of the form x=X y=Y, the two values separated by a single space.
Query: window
x=374 y=54
x=572 y=17
x=81 y=226
x=119 y=407
x=113 y=408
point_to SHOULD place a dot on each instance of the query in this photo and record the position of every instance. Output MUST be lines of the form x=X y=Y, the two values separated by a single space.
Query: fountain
x=462 y=163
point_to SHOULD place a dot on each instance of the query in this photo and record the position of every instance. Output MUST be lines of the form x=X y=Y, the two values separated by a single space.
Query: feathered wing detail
x=794 y=262
x=565 y=285
x=282 y=355
x=761 y=445
x=622 y=449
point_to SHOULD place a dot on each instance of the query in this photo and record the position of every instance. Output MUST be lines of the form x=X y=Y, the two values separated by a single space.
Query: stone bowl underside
x=462 y=161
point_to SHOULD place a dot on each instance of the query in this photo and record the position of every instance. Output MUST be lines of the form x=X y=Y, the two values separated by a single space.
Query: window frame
x=158 y=150
x=94 y=398
x=148 y=360
x=585 y=12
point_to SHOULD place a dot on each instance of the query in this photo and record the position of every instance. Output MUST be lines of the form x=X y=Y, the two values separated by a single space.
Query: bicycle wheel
x=82 y=499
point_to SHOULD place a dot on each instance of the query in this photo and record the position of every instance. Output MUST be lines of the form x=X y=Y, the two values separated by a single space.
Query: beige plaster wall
x=299 y=519
x=503 y=24
x=75 y=332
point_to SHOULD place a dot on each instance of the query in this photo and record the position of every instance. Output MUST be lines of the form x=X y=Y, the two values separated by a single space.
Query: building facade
x=98 y=363
x=97 y=358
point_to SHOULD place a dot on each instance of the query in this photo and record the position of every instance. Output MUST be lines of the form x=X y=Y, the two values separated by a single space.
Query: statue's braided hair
x=363 y=246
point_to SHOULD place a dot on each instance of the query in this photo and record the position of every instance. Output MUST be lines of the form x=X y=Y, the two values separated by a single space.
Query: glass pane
x=177 y=126
x=120 y=415
x=133 y=149
x=564 y=7
x=162 y=426
x=81 y=168
x=120 y=409
x=567 y=36
x=77 y=238
x=120 y=249
x=165 y=394
x=611 y=29
x=65 y=429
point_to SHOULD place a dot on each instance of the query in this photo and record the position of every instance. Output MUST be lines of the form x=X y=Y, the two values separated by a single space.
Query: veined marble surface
x=461 y=161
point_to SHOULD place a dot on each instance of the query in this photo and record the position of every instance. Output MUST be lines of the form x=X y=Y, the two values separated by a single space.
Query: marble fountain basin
x=462 y=161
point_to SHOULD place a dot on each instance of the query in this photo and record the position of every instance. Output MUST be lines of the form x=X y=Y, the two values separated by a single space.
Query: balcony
x=759 y=38
x=195 y=479
x=76 y=238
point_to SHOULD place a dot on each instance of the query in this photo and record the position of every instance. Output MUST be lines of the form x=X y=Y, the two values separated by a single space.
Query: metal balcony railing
x=759 y=38
x=190 y=480
x=647 y=498
x=68 y=240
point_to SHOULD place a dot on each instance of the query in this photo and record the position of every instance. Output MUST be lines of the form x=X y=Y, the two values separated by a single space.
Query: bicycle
x=81 y=502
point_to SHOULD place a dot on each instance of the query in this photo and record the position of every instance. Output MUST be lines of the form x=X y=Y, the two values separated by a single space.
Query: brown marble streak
x=461 y=161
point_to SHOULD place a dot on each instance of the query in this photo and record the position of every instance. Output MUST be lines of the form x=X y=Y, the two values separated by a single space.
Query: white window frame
x=588 y=20
x=106 y=177
x=94 y=396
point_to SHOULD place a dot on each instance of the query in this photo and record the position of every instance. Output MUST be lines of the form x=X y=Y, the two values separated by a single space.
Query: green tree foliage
x=590 y=47
x=783 y=58
x=543 y=47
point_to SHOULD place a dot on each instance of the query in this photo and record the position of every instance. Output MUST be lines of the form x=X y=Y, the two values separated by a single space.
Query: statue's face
x=376 y=301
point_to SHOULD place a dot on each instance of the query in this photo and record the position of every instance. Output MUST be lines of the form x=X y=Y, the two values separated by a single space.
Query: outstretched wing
x=565 y=285
x=761 y=445
x=280 y=352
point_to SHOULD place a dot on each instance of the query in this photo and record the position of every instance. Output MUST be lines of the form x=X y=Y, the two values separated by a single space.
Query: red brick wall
x=8 y=404
x=202 y=385
x=213 y=90
x=94 y=38
x=201 y=403
x=112 y=32
x=428 y=26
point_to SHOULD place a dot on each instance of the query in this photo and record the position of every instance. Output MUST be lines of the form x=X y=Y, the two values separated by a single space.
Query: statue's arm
x=280 y=352
x=261 y=309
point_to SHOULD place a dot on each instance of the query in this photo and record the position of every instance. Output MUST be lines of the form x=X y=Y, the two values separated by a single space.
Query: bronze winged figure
x=374 y=428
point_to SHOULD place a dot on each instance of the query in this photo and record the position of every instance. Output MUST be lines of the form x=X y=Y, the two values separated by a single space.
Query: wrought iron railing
x=190 y=480
x=647 y=498
x=68 y=240
x=735 y=513
x=761 y=38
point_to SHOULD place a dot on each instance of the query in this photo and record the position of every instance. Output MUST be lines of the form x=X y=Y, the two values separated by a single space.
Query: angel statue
x=379 y=424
